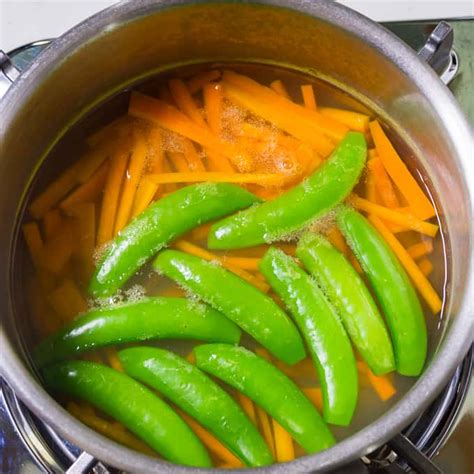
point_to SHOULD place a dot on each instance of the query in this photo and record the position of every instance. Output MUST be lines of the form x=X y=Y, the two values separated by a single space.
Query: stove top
x=439 y=440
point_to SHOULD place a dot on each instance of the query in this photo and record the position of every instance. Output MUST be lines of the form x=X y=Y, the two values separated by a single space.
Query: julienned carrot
x=94 y=159
x=132 y=178
x=55 y=191
x=383 y=183
x=109 y=132
x=211 y=442
x=278 y=86
x=194 y=161
x=354 y=120
x=216 y=177
x=90 y=190
x=425 y=266
x=145 y=194
x=315 y=395
x=300 y=127
x=408 y=221
x=335 y=237
x=309 y=98
x=218 y=162
x=200 y=233
x=169 y=117
x=112 y=359
x=262 y=94
x=205 y=254
x=371 y=192
x=213 y=98
x=111 y=430
x=34 y=242
x=57 y=251
x=419 y=280
x=179 y=163
x=246 y=263
x=266 y=429
x=382 y=384
x=84 y=214
x=420 y=249
x=247 y=405
x=167 y=188
x=67 y=300
x=110 y=198
x=185 y=102
x=400 y=174
x=302 y=369
x=198 y=82
x=51 y=223
x=284 y=448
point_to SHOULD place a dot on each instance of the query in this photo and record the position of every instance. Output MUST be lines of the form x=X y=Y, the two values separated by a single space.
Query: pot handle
x=438 y=52
x=8 y=73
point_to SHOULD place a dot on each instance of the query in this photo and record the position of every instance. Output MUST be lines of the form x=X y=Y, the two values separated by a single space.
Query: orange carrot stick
x=110 y=199
x=419 y=280
x=213 y=98
x=211 y=442
x=112 y=358
x=284 y=449
x=301 y=128
x=371 y=192
x=216 y=177
x=425 y=266
x=382 y=384
x=278 y=86
x=266 y=429
x=403 y=219
x=198 y=82
x=51 y=223
x=185 y=102
x=90 y=190
x=383 y=183
x=309 y=98
x=132 y=178
x=194 y=161
x=58 y=250
x=297 y=113
x=34 y=242
x=169 y=117
x=217 y=162
x=354 y=120
x=248 y=407
x=246 y=263
x=315 y=395
x=400 y=174
x=335 y=237
x=179 y=163
x=55 y=191
x=420 y=249
x=67 y=300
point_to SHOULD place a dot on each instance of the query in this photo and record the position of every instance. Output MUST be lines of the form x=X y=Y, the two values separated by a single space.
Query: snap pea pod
x=393 y=288
x=269 y=388
x=163 y=221
x=252 y=310
x=323 y=331
x=298 y=207
x=195 y=393
x=135 y=406
x=352 y=300
x=150 y=318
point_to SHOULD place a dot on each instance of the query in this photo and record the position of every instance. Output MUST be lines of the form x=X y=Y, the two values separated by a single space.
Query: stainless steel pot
x=133 y=40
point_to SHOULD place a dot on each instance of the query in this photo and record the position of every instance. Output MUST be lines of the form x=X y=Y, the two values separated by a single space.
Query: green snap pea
x=269 y=388
x=323 y=331
x=133 y=405
x=352 y=300
x=150 y=318
x=163 y=221
x=195 y=393
x=252 y=310
x=298 y=207
x=393 y=289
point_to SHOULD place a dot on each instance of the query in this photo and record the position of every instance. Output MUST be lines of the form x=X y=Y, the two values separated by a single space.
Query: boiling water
x=147 y=282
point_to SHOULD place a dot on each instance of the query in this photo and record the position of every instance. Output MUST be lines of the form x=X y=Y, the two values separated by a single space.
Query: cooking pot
x=134 y=40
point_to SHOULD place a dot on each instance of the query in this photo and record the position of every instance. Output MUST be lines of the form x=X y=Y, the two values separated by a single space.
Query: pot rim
x=428 y=385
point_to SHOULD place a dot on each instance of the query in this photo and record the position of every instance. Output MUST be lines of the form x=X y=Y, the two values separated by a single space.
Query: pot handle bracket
x=438 y=52
x=8 y=73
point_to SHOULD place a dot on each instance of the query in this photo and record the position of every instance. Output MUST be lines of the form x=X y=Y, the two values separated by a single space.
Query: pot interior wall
x=126 y=53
